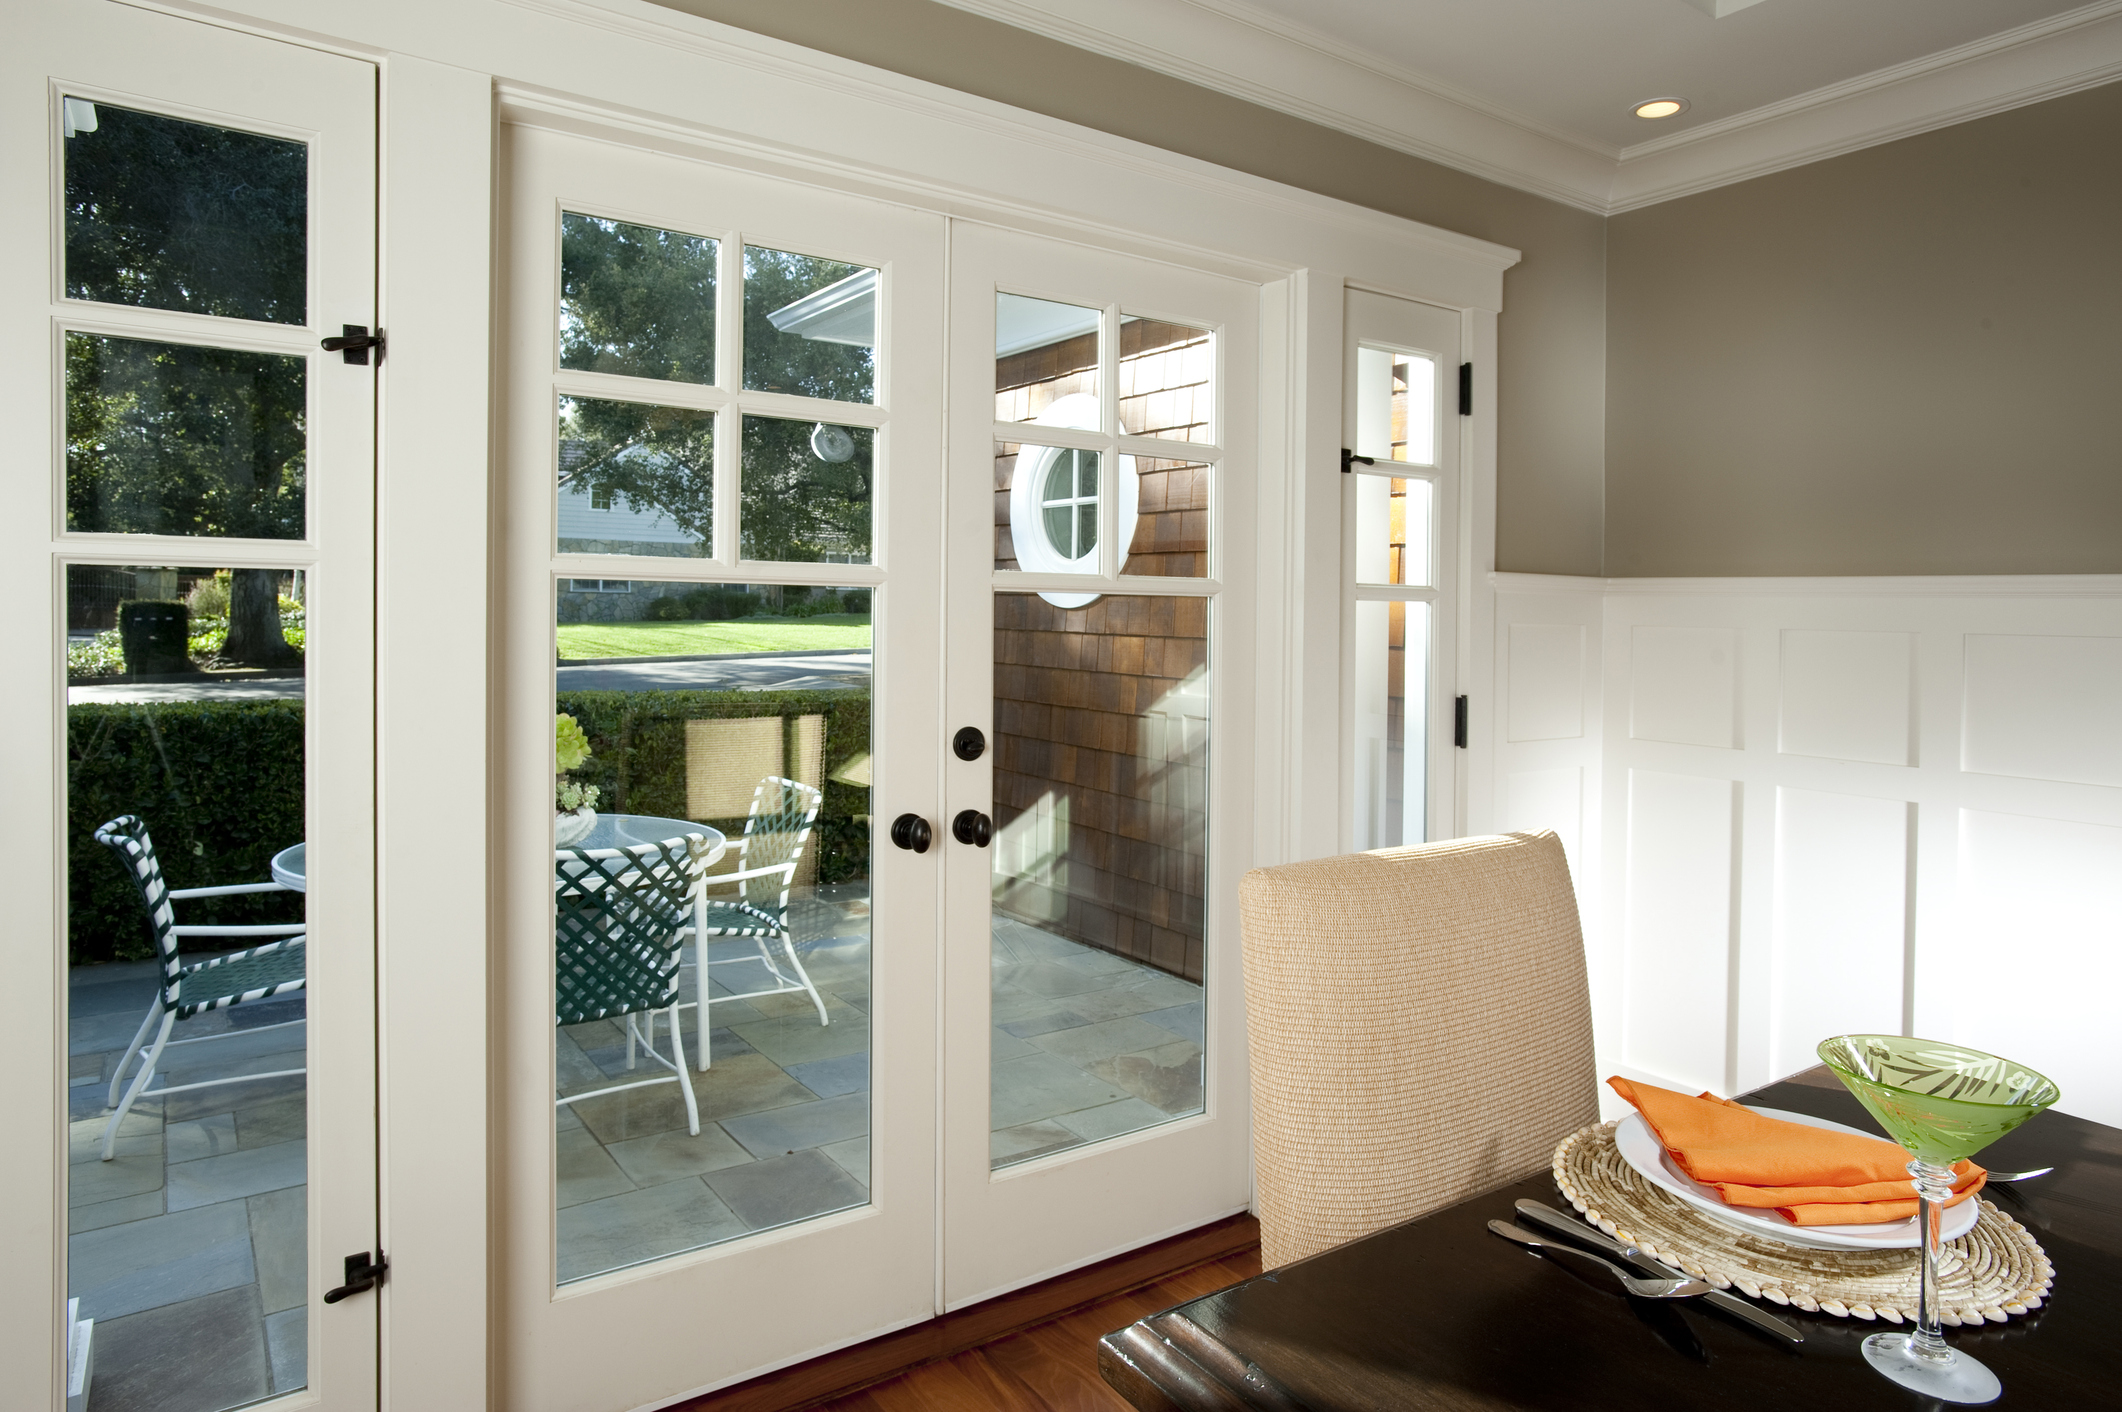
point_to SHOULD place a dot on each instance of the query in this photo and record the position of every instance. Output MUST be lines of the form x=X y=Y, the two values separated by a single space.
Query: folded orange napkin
x=1814 y=1176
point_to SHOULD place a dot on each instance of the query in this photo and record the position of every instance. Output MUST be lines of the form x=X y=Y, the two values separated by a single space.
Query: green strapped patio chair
x=620 y=916
x=779 y=826
x=194 y=988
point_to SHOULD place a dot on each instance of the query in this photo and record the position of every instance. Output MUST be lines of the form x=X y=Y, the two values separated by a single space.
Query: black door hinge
x=1466 y=389
x=1349 y=458
x=1459 y=722
x=354 y=342
x=364 y=1271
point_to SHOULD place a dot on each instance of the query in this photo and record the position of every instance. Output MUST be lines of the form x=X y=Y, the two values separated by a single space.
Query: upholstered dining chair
x=1420 y=1029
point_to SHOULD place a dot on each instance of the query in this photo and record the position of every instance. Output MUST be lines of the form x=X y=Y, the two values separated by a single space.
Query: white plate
x=1640 y=1148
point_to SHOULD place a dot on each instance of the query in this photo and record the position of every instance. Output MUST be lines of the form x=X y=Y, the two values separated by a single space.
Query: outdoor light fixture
x=1660 y=107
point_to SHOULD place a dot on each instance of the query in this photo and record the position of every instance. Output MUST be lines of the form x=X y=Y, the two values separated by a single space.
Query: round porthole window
x=1053 y=502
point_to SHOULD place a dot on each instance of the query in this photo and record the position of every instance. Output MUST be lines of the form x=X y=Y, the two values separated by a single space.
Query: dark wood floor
x=1051 y=1367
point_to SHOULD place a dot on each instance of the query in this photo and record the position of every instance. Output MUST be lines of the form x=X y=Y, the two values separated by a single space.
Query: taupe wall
x=1907 y=360
x=1552 y=333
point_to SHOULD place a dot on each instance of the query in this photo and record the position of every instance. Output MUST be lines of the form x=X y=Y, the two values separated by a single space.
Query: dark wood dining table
x=1441 y=1315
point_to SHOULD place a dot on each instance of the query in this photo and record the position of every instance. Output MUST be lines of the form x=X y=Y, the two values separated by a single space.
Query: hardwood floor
x=1050 y=1367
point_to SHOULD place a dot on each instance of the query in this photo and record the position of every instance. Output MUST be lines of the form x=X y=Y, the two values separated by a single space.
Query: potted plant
x=574 y=805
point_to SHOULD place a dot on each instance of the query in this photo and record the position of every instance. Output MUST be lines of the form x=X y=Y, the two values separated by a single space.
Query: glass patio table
x=290 y=866
x=1441 y=1315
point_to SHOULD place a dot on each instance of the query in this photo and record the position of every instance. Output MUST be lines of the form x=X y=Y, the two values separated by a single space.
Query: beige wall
x=1552 y=333
x=1907 y=360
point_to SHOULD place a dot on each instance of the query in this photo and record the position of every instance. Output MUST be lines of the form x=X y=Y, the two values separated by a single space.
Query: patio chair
x=194 y=988
x=1419 y=1028
x=779 y=826
x=620 y=917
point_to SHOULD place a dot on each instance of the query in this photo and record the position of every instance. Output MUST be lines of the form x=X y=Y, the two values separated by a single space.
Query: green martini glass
x=1942 y=1102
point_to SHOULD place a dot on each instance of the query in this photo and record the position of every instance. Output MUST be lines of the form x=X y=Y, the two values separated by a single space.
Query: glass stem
x=1933 y=1185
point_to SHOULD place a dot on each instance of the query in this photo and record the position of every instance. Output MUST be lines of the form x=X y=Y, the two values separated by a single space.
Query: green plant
x=209 y=597
x=98 y=656
x=570 y=752
x=667 y=610
x=220 y=786
x=720 y=601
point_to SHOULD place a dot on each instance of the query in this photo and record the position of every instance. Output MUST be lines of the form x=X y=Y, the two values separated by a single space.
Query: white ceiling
x=1537 y=93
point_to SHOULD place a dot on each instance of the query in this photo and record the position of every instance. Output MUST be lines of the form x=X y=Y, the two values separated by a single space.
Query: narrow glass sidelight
x=635 y=478
x=163 y=213
x=1392 y=670
x=636 y=300
x=1099 y=874
x=187 y=995
x=1395 y=530
x=711 y=936
x=810 y=326
x=178 y=439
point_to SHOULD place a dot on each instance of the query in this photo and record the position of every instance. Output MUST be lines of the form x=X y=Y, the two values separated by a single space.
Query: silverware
x=2020 y=1176
x=1649 y=1289
x=1547 y=1217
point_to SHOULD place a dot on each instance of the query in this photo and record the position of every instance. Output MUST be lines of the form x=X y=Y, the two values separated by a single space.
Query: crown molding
x=1235 y=48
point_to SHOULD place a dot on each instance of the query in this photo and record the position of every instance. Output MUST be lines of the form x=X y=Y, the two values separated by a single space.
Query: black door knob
x=972 y=826
x=911 y=831
x=968 y=743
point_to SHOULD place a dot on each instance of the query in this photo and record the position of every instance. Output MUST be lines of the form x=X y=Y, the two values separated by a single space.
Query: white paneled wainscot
x=1799 y=807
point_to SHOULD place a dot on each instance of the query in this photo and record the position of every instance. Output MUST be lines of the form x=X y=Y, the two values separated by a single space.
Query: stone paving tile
x=201 y=1137
x=1164 y=989
x=1182 y=1020
x=114 y=1213
x=84 y=1140
x=799 y=1039
x=829 y=1078
x=237 y=1174
x=279 y=1222
x=784 y=1189
x=1044 y=1086
x=1097 y=962
x=180 y=1107
x=1085 y=1044
x=1025 y=1015
x=1168 y=1076
x=1049 y=978
x=1001 y=1045
x=120 y=1270
x=1127 y=1116
x=287 y=1347
x=584 y=1168
x=202 y=1355
x=276 y=1120
x=1114 y=1003
x=852 y=1155
x=1028 y=1140
x=92 y=1183
x=642 y=1225
x=668 y=1157
x=800 y=1125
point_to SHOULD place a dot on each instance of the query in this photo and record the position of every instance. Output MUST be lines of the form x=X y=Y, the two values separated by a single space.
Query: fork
x=1634 y=1284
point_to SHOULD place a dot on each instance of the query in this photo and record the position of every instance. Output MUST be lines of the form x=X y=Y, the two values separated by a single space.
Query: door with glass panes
x=720 y=630
x=1100 y=654
x=1401 y=510
x=189 y=570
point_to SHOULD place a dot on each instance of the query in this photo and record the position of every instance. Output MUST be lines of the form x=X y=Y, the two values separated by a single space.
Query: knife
x=1541 y=1214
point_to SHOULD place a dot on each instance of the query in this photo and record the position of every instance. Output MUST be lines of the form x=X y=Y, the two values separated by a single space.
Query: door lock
x=911 y=832
x=353 y=344
x=972 y=826
x=363 y=1272
x=968 y=743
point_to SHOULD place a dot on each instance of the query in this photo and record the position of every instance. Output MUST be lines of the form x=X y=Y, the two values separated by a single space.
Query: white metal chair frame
x=129 y=838
x=764 y=920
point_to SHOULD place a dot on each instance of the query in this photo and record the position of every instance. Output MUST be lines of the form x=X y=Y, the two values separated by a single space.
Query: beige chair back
x=1420 y=1028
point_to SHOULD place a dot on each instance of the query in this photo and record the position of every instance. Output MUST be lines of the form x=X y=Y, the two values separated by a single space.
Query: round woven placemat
x=1994 y=1271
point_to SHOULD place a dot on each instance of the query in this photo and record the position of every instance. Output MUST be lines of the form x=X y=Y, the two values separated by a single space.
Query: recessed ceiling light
x=1660 y=107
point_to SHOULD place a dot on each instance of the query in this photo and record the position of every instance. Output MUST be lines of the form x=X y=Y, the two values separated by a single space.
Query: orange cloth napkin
x=1815 y=1177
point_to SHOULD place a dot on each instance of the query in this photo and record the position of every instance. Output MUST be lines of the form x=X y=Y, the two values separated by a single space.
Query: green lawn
x=825 y=633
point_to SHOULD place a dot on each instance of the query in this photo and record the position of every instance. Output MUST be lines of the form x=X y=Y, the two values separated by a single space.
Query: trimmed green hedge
x=220 y=786
x=637 y=757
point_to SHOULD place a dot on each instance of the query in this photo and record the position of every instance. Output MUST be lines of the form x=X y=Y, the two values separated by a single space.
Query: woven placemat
x=1994 y=1271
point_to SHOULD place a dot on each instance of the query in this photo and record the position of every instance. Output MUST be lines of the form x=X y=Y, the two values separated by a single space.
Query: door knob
x=968 y=743
x=972 y=826
x=911 y=831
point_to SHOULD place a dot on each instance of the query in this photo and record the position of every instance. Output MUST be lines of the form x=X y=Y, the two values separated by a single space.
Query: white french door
x=1403 y=541
x=1100 y=643
x=190 y=565
x=723 y=523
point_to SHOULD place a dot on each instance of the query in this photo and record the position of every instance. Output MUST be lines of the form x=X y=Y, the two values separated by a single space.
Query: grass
x=827 y=632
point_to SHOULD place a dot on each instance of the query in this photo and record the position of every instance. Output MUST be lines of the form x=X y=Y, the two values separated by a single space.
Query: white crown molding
x=1232 y=47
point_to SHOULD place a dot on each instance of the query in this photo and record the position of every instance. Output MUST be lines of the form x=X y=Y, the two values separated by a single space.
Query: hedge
x=220 y=786
x=637 y=757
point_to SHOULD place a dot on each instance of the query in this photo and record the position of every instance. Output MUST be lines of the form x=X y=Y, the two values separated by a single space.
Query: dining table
x=610 y=833
x=1440 y=1314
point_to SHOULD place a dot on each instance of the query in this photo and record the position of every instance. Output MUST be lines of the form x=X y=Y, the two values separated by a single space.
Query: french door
x=1099 y=643
x=189 y=564
x=723 y=558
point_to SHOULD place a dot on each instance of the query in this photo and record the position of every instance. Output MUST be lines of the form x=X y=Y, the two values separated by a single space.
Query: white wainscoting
x=1800 y=807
